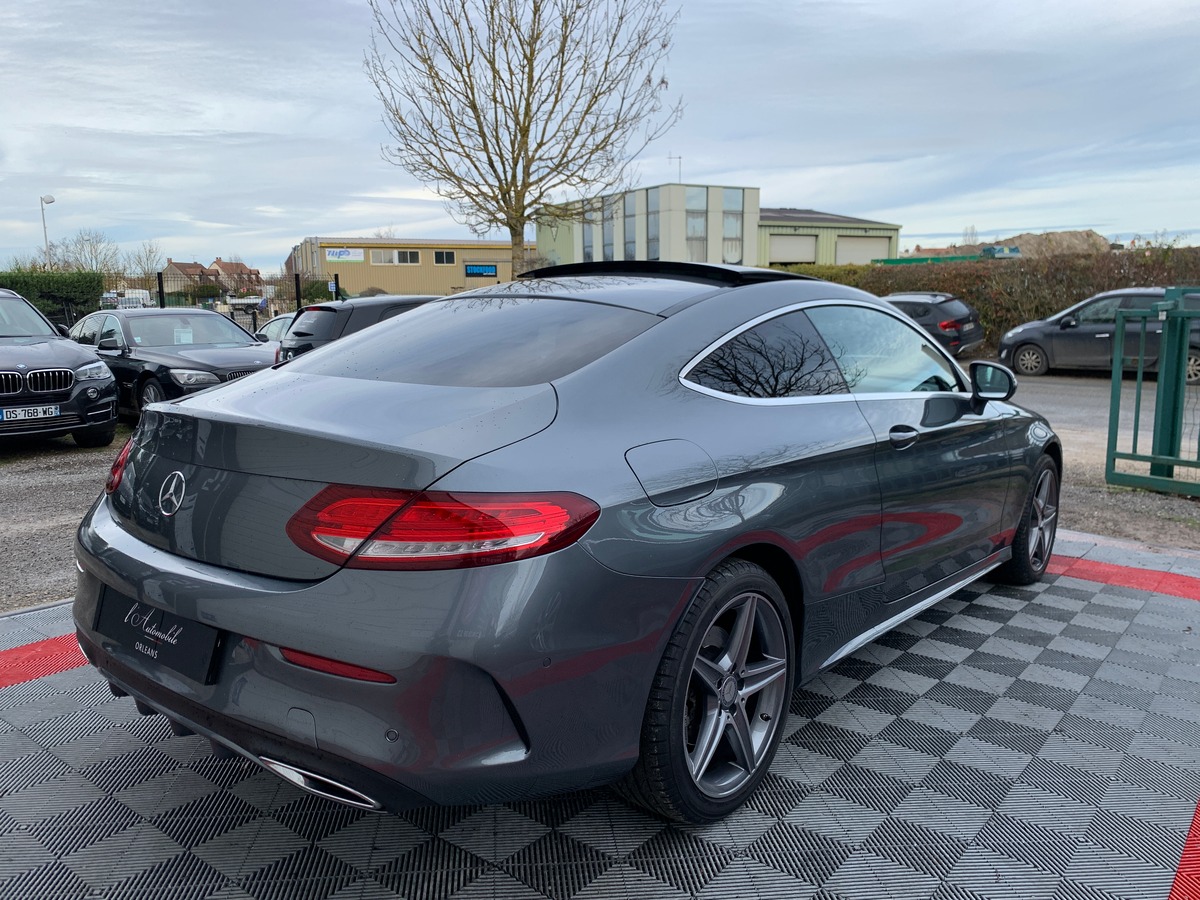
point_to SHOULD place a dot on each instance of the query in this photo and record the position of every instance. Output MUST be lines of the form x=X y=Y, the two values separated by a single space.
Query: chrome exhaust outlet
x=320 y=785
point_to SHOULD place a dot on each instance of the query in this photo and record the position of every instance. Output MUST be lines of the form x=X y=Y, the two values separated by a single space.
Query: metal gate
x=1163 y=413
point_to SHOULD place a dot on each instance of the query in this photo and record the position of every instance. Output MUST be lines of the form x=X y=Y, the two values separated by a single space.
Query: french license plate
x=28 y=412
x=162 y=637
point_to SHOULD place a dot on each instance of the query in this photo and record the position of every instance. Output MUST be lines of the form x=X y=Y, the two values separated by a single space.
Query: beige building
x=712 y=224
x=403 y=266
x=790 y=236
x=680 y=222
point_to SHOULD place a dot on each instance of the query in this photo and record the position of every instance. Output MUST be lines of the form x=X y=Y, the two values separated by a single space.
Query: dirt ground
x=46 y=488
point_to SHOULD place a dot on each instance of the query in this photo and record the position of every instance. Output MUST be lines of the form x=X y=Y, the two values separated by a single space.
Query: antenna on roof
x=678 y=159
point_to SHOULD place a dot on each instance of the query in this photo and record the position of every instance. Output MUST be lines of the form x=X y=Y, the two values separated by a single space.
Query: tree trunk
x=517 y=234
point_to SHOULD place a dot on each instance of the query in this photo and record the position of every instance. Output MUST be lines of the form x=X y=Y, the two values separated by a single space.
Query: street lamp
x=46 y=198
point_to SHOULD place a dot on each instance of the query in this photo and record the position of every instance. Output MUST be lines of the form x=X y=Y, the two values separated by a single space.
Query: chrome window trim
x=964 y=382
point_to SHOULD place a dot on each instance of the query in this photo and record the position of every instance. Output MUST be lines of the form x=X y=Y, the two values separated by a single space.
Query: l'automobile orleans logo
x=170 y=495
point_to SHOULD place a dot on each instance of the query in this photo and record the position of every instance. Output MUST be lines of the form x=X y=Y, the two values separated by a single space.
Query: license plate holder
x=182 y=645
x=26 y=413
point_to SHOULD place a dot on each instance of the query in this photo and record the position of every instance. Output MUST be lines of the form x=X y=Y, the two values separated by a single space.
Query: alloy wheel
x=1043 y=519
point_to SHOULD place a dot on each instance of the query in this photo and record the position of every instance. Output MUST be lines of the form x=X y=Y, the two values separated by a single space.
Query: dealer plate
x=22 y=413
x=161 y=637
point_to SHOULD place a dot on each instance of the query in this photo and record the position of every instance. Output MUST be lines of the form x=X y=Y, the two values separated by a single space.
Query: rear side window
x=314 y=323
x=781 y=357
x=480 y=342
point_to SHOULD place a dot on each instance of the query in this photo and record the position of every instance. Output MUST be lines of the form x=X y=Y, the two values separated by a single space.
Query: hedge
x=63 y=296
x=1012 y=291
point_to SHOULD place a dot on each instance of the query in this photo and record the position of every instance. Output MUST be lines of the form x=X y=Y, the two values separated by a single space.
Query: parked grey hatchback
x=590 y=526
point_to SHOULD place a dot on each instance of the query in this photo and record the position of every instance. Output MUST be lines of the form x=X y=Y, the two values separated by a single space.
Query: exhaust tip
x=320 y=785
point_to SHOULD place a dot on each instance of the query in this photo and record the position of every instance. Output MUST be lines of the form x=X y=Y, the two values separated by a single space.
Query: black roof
x=705 y=273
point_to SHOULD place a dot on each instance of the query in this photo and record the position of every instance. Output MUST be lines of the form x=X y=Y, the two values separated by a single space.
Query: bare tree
x=505 y=107
x=970 y=236
x=87 y=250
x=145 y=261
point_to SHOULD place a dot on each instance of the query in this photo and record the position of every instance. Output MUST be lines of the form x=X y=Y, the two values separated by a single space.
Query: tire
x=94 y=437
x=716 y=709
x=1030 y=359
x=1193 y=365
x=1034 y=540
x=151 y=392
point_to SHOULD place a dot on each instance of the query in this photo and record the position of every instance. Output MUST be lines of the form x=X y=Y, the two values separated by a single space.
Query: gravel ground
x=46 y=488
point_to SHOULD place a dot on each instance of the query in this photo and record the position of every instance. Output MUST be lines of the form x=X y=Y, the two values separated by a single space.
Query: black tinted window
x=879 y=353
x=782 y=357
x=314 y=323
x=953 y=309
x=480 y=342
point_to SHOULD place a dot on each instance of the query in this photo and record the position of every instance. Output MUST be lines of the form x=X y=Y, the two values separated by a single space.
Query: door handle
x=902 y=437
x=1106 y=334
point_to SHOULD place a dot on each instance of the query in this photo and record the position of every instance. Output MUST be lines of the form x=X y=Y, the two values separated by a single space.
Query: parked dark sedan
x=160 y=354
x=48 y=385
x=590 y=526
x=1081 y=336
x=952 y=321
x=321 y=323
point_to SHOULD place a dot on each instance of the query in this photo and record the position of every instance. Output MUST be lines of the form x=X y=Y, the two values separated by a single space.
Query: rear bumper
x=512 y=681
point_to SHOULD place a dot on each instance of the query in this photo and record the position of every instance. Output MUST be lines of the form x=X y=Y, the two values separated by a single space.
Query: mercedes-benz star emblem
x=170 y=495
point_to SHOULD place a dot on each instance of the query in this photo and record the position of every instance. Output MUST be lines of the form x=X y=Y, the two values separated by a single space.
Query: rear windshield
x=314 y=323
x=953 y=307
x=480 y=342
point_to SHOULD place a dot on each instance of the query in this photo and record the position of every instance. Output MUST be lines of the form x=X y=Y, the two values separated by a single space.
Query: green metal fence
x=1163 y=412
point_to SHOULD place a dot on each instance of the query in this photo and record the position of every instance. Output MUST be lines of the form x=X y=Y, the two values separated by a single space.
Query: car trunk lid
x=216 y=477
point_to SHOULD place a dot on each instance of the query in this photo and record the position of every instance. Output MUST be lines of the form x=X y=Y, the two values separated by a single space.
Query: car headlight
x=95 y=371
x=193 y=378
x=1009 y=335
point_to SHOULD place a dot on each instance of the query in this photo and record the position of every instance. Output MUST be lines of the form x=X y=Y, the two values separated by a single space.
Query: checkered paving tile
x=1039 y=743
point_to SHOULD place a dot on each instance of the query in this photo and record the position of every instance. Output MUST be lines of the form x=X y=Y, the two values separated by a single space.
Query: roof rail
x=708 y=273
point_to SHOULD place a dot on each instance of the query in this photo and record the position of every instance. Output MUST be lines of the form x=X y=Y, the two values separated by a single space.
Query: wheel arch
x=780 y=565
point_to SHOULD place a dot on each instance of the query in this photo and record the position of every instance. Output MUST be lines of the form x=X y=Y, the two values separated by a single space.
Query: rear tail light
x=948 y=326
x=371 y=528
x=117 y=472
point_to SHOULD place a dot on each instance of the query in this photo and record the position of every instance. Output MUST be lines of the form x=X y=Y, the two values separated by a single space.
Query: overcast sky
x=236 y=129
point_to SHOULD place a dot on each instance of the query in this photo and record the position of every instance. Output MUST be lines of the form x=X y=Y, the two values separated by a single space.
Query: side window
x=781 y=357
x=879 y=354
x=395 y=311
x=111 y=328
x=85 y=332
x=1100 y=312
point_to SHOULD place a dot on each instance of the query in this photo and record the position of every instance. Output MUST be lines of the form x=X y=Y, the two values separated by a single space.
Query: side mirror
x=108 y=344
x=62 y=329
x=990 y=381
x=260 y=337
x=1068 y=322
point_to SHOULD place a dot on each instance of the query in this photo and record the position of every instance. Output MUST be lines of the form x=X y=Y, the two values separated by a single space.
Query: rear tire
x=720 y=697
x=1034 y=540
x=1030 y=359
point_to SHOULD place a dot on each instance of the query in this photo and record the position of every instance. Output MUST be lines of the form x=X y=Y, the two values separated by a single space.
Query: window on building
x=631 y=225
x=443 y=257
x=589 y=217
x=696 y=220
x=652 y=223
x=608 y=214
x=731 y=226
x=395 y=257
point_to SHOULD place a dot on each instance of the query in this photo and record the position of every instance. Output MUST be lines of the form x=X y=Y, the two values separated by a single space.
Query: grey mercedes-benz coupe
x=590 y=526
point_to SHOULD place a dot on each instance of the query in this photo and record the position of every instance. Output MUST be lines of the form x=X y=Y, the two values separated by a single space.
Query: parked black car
x=50 y=386
x=952 y=321
x=161 y=354
x=1081 y=336
x=592 y=525
x=321 y=323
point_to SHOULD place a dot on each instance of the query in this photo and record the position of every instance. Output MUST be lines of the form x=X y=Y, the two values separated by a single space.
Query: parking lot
x=1007 y=743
